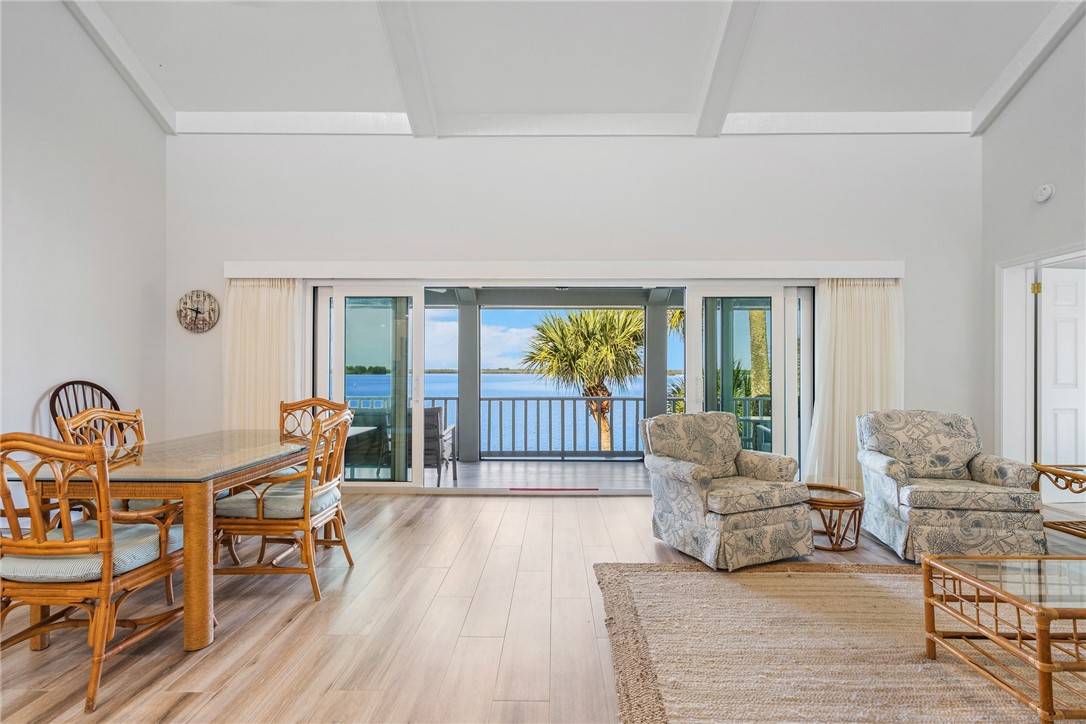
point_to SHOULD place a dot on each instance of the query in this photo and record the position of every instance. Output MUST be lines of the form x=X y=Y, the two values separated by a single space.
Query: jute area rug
x=784 y=643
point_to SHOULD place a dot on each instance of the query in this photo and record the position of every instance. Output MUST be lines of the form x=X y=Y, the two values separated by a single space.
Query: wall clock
x=197 y=311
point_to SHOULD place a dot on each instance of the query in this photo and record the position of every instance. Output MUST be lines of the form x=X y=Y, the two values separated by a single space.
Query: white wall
x=83 y=224
x=915 y=198
x=1039 y=138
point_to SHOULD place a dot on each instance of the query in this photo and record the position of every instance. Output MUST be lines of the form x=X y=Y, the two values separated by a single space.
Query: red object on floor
x=580 y=490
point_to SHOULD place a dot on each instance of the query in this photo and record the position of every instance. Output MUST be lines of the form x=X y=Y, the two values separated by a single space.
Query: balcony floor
x=604 y=475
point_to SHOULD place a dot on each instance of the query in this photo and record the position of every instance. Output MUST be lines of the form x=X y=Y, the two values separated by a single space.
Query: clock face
x=197 y=311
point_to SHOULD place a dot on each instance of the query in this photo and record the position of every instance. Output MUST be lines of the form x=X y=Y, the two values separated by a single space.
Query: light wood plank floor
x=466 y=609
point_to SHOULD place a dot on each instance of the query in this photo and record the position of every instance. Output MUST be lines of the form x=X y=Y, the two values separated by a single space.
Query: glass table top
x=830 y=492
x=203 y=457
x=1052 y=582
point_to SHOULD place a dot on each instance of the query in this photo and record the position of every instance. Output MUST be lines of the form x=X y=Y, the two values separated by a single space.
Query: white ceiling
x=598 y=68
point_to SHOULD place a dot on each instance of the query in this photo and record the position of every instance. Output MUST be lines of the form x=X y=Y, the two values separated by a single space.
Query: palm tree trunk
x=601 y=412
x=759 y=354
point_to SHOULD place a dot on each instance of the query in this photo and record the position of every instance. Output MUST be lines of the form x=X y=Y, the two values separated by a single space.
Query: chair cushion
x=966 y=495
x=738 y=495
x=930 y=444
x=706 y=438
x=133 y=546
x=282 y=501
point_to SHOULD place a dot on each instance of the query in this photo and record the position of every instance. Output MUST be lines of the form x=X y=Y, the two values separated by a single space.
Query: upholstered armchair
x=726 y=506
x=929 y=489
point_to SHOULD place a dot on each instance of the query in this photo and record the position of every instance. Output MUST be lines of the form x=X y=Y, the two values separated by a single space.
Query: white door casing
x=1061 y=374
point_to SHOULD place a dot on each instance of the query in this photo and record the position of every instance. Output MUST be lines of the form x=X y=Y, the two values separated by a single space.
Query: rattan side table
x=840 y=510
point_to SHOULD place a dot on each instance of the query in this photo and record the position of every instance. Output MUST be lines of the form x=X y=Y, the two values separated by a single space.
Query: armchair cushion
x=134 y=545
x=930 y=444
x=710 y=439
x=740 y=495
x=966 y=495
x=994 y=470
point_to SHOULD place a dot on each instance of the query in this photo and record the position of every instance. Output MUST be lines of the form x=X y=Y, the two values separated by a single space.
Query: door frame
x=320 y=296
x=1015 y=350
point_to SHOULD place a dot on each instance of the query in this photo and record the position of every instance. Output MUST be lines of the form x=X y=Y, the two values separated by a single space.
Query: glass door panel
x=738 y=368
x=376 y=383
x=364 y=355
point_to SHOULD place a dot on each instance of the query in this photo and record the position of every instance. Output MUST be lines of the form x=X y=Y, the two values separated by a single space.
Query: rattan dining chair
x=71 y=398
x=49 y=558
x=292 y=506
x=123 y=434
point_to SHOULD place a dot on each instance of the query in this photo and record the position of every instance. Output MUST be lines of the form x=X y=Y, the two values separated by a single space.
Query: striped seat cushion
x=282 y=501
x=133 y=546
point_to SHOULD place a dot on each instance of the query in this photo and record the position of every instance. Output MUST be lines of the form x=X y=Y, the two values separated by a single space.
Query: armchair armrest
x=1006 y=473
x=676 y=469
x=766 y=466
x=884 y=465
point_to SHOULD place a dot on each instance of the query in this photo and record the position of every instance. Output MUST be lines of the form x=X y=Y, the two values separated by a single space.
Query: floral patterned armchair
x=726 y=506
x=929 y=489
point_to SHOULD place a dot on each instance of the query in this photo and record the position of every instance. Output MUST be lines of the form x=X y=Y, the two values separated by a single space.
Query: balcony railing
x=564 y=428
x=559 y=427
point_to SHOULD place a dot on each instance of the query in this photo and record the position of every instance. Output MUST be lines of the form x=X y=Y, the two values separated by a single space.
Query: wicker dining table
x=194 y=469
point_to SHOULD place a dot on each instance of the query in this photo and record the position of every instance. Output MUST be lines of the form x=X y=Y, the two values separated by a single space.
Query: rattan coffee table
x=840 y=510
x=1022 y=625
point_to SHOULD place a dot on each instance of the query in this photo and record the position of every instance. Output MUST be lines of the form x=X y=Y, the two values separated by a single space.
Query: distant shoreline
x=498 y=371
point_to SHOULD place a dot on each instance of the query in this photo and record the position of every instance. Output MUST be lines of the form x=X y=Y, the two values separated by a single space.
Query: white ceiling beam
x=398 y=19
x=566 y=124
x=716 y=96
x=1051 y=32
x=113 y=45
x=738 y=124
x=294 y=123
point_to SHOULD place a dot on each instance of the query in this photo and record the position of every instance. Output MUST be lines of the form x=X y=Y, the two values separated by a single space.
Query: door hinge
x=1035 y=288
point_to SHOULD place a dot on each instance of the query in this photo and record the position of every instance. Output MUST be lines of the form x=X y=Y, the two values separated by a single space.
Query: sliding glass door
x=755 y=359
x=365 y=340
x=738 y=373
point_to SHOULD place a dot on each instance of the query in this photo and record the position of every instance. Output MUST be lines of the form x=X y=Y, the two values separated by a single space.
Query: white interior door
x=1061 y=373
x=368 y=352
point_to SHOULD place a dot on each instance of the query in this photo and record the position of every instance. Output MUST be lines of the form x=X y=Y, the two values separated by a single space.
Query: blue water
x=516 y=425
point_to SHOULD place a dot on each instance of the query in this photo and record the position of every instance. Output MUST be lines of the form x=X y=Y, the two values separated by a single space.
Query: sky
x=503 y=337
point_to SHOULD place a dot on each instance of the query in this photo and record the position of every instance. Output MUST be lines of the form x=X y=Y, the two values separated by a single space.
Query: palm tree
x=592 y=350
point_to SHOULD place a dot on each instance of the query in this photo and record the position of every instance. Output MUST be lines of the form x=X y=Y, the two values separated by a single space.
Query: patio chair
x=370 y=448
x=48 y=559
x=929 y=489
x=292 y=506
x=726 y=506
x=439 y=449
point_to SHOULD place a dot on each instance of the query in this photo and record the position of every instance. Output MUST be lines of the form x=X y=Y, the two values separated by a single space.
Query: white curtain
x=859 y=367
x=262 y=350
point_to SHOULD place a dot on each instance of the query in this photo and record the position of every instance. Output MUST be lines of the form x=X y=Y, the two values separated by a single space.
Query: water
x=518 y=425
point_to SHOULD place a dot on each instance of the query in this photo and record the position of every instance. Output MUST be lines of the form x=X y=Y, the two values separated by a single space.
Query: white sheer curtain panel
x=262 y=350
x=859 y=367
